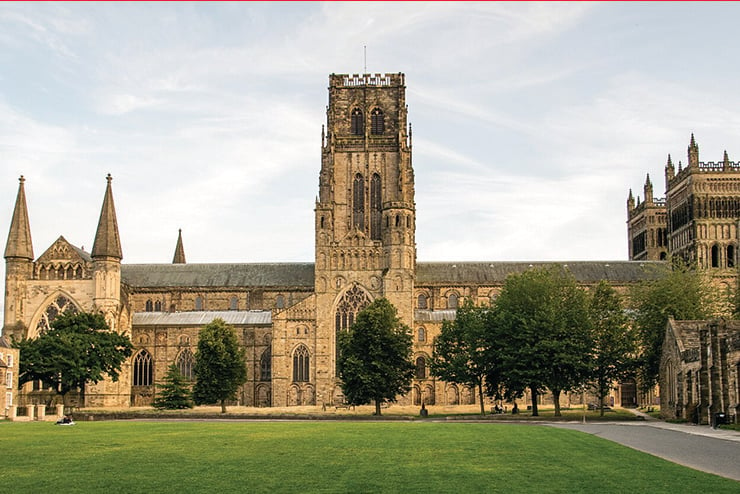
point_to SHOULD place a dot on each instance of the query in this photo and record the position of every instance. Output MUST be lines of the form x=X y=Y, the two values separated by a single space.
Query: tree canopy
x=460 y=354
x=540 y=333
x=374 y=361
x=219 y=365
x=174 y=393
x=77 y=349
x=614 y=341
x=681 y=294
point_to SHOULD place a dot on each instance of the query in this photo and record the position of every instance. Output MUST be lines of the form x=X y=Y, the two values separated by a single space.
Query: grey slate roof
x=201 y=318
x=218 y=275
x=301 y=275
x=489 y=273
x=425 y=315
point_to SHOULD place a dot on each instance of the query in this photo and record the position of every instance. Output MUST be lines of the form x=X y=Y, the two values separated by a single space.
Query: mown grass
x=185 y=457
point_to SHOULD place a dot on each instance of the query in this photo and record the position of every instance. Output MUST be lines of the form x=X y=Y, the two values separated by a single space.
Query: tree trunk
x=602 y=395
x=377 y=407
x=535 y=394
x=223 y=406
x=556 y=402
x=480 y=397
x=82 y=395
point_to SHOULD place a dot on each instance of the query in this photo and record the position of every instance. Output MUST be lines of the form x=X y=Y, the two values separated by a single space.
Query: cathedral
x=287 y=315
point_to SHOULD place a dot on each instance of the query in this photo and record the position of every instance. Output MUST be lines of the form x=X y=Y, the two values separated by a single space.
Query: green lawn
x=182 y=457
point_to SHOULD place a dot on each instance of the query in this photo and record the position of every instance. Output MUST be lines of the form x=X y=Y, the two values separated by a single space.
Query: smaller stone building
x=9 y=362
x=700 y=370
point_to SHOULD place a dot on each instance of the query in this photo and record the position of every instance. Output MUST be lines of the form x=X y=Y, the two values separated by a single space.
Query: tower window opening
x=730 y=256
x=377 y=122
x=715 y=256
x=357 y=125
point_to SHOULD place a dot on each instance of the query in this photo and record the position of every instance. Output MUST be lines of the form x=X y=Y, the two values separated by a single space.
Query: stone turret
x=693 y=152
x=106 y=255
x=18 y=259
x=670 y=172
x=179 y=257
x=725 y=162
x=648 y=190
x=630 y=202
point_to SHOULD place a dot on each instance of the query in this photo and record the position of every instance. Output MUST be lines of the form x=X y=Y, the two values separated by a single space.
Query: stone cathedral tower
x=365 y=212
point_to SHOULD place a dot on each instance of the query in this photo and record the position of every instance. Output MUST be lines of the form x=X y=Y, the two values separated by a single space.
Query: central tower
x=365 y=212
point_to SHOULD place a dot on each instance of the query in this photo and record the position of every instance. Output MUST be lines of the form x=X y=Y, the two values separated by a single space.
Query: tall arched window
x=421 y=302
x=300 y=364
x=185 y=363
x=715 y=256
x=233 y=303
x=376 y=207
x=377 y=122
x=148 y=306
x=357 y=125
x=358 y=202
x=421 y=368
x=158 y=306
x=143 y=369
x=279 y=302
x=266 y=365
x=452 y=301
x=199 y=303
x=60 y=305
x=353 y=301
x=730 y=256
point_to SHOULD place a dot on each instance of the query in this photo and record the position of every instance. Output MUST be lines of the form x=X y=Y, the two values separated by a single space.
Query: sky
x=531 y=121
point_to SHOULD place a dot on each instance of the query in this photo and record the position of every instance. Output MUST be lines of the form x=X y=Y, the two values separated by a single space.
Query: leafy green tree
x=174 y=393
x=681 y=294
x=460 y=350
x=614 y=341
x=374 y=362
x=219 y=365
x=77 y=349
x=541 y=332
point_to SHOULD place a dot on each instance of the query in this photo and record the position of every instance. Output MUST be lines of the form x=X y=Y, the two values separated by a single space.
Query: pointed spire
x=179 y=257
x=680 y=166
x=726 y=162
x=670 y=172
x=630 y=202
x=107 y=241
x=19 y=237
x=648 y=189
x=693 y=152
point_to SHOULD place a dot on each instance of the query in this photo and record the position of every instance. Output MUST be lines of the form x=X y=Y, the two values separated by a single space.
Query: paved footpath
x=695 y=446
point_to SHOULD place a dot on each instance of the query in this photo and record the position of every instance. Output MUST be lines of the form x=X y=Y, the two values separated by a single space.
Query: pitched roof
x=218 y=275
x=19 y=243
x=201 y=318
x=107 y=240
x=301 y=275
x=490 y=273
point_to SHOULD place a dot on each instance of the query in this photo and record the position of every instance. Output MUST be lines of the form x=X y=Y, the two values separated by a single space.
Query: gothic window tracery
x=301 y=362
x=185 y=363
x=59 y=305
x=358 y=202
x=143 y=369
x=353 y=301
x=357 y=125
x=377 y=122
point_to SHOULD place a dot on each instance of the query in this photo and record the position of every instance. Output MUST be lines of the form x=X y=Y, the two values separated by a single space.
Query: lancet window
x=377 y=122
x=357 y=125
x=358 y=202
x=376 y=207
